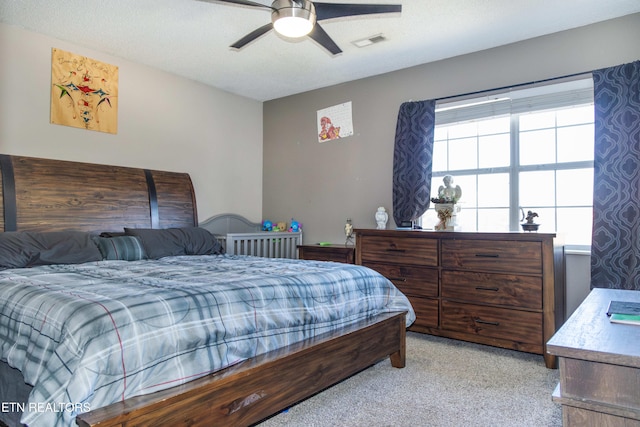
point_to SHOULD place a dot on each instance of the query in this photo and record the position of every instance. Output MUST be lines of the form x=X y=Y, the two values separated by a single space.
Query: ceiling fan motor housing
x=301 y=12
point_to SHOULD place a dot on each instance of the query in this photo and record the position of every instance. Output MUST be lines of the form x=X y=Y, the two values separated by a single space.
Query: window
x=526 y=150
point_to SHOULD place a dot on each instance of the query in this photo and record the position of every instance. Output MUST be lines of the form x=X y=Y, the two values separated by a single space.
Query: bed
x=239 y=385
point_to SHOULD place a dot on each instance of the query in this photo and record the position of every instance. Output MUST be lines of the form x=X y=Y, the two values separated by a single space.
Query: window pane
x=463 y=153
x=492 y=126
x=439 y=156
x=575 y=225
x=463 y=130
x=493 y=219
x=574 y=116
x=467 y=219
x=545 y=119
x=440 y=132
x=468 y=186
x=575 y=187
x=537 y=189
x=575 y=143
x=493 y=190
x=538 y=147
x=494 y=151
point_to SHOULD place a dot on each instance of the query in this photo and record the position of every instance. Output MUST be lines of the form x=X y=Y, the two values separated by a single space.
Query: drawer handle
x=486 y=322
x=397 y=279
x=484 y=288
x=488 y=255
x=395 y=250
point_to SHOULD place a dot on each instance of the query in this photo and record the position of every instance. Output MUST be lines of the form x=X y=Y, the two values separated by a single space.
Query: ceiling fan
x=298 y=18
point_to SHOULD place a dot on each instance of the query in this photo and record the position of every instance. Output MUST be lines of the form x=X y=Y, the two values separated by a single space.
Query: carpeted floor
x=445 y=383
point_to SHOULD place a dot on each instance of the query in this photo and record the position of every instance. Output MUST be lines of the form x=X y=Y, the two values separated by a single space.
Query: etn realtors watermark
x=9 y=407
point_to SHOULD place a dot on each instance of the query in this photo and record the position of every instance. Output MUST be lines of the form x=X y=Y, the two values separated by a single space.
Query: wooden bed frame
x=53 y=195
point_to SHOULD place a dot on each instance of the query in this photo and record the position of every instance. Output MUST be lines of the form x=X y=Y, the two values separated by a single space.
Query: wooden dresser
x=599 y=364
x=500 y=289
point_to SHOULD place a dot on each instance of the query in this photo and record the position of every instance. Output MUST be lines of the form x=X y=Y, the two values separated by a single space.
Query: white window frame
x=571 y=92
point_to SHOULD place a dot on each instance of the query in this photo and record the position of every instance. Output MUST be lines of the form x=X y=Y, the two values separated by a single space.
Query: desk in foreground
x=599 y=364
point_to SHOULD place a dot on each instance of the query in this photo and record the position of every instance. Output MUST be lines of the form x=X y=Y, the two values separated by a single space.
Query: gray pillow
x=160 y=243
x=20 y=249
x=16 y=250
x=126 y=248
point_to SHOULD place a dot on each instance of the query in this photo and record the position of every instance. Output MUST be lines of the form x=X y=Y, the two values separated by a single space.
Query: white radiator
x=268 y=244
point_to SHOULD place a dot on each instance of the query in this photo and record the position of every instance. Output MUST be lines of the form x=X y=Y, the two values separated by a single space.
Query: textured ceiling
x=191 y=38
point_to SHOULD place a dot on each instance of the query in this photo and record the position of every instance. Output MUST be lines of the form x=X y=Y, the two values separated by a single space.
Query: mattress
x=88 y=335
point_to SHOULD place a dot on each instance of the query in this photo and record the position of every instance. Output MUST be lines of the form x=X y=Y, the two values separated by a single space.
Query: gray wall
x=322 y=185
x=164 y=122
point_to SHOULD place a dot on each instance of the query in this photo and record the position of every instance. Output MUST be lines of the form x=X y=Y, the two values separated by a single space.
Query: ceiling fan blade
x=338 y=10
x=240 y=2
x=320 y=36
x=252 y=36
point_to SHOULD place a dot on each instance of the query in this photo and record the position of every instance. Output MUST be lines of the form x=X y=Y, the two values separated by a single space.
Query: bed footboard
x=251 y=391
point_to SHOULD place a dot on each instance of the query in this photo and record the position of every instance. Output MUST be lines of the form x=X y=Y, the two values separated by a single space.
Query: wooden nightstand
x=599 y=364
x=337 y=253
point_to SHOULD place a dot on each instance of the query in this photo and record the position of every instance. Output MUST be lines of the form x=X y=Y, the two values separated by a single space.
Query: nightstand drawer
x=336 y=253
x=489 y=288
x=389 y=249
x=487 y=255
x=411 y=280
x=501 y=323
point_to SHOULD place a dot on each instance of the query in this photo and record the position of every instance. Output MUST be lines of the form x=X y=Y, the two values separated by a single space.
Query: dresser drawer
x=490 y=288
x=426 y=311
x=391 y=249
x=411 y=280
x=488 y=255
x=512 y=325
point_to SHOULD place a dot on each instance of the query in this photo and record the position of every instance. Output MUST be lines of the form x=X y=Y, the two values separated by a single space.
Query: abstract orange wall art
x=84 y=92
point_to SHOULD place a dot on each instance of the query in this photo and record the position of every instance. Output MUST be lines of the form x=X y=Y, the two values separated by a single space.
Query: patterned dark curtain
x=412 y=159
x=615 y=249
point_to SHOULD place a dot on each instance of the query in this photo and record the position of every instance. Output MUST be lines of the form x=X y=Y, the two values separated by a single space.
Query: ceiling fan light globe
x=293 y=27
x=291 y=19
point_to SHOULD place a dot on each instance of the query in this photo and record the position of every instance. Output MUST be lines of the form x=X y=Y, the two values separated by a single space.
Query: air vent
x=369 y=40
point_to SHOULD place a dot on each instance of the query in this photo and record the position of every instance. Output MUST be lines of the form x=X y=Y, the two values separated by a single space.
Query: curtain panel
x=412 y=160
x=615 y=249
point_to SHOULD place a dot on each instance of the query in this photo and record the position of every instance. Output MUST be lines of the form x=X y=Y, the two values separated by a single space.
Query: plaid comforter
x=88 y=335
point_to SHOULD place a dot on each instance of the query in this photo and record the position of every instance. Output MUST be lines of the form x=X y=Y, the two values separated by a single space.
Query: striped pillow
x=126 y=248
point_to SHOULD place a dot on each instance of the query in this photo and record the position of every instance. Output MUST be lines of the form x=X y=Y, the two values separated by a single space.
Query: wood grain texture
x=388 y=248
x=499 y=289
x=572 y=416
x=336 y=253
x=427 y=313
x=257 y=388
x=517 y=257
x=411 y=280
x=490 y=288
x=518 y=327
x=599 y=364
x=54 y=195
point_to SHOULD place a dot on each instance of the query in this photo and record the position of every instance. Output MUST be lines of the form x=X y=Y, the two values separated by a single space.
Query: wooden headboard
x=55 y=195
